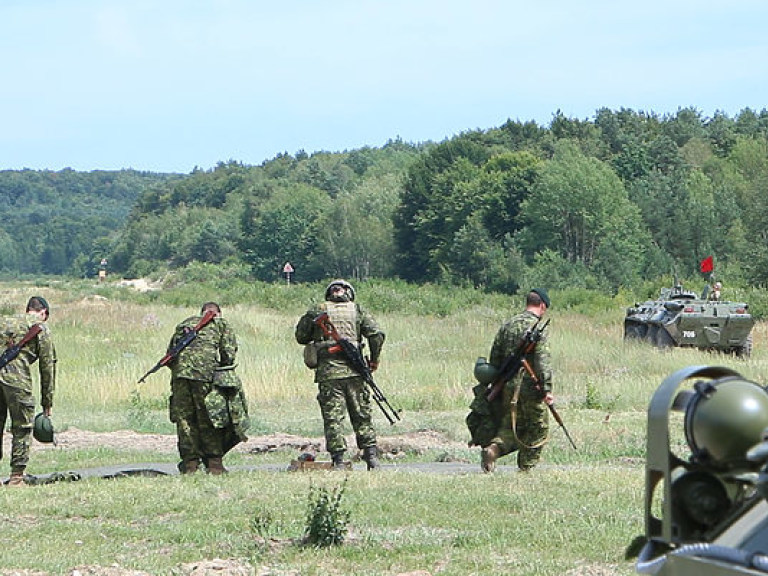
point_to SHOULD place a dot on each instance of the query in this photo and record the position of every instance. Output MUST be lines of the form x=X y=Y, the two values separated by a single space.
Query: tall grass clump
x=326 y=519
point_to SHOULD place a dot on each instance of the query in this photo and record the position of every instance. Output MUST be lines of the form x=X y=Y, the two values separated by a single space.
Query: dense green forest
x=601 y=203
x=60 y=222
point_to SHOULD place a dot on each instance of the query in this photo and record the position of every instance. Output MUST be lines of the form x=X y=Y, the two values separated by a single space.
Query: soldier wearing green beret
x=522 y=414
x=16 y=396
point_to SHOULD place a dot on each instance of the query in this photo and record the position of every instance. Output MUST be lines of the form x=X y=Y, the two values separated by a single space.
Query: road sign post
x=287 y=270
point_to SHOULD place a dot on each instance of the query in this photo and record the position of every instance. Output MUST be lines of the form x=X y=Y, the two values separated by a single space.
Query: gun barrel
x=382 y=402
x=185 y=341
x=162 y=362
x=152 y=370
x=560 y=423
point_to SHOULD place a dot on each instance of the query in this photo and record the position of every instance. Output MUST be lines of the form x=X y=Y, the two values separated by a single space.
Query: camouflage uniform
x=16 y=396
x=192 y=390
x=532 y=414
x=340 y=388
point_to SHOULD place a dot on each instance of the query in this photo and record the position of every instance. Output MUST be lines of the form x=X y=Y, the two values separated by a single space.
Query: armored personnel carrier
x=682 y=318
x=706 y=497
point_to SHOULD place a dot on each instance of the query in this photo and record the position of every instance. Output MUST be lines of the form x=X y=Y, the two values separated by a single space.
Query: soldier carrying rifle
x=514 y=411
x=341 y=387
x=28 y=340
x=207 y=401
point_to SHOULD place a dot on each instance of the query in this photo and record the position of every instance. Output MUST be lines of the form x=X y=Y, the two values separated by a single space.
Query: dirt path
x=391 y=446
x=392 y=451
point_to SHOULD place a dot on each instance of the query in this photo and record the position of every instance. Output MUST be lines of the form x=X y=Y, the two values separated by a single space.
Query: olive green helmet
x=349 y=291
x=42 y=429
x=485 y=373
x=724 y=419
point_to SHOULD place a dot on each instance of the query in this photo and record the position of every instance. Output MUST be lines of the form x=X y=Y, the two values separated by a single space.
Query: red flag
x=707 y=265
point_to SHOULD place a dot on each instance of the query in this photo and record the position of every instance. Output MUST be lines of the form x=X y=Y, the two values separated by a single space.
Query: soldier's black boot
x=17 y=477
x=189 y=466
x=337 y=458
x=370 y=455
x=489 y=455
x=216 y=466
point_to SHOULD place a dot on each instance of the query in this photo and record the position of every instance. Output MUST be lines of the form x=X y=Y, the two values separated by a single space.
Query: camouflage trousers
x=336 y=397
x=197 y=436
x=532 y=427
x=20 y=405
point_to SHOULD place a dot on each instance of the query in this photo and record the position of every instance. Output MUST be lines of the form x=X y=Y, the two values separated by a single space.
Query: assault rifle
x=551 y=407
x=10 y=353
x=358 y=363
x=517 y=360
x=514 y=362
x=185 y=341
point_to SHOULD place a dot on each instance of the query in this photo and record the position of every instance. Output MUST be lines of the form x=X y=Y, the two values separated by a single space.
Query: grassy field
x=575 y=514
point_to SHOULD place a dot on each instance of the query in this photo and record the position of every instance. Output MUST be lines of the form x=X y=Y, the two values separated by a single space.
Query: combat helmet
x=349 y=290
x=485 y=372
x=42 y=429
x=724 y=419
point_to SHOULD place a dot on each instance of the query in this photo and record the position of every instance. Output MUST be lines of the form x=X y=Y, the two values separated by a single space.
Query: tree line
x=60 y=222
x=600 y=203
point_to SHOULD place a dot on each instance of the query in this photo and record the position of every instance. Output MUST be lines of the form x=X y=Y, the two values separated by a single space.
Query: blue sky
x=168 y=85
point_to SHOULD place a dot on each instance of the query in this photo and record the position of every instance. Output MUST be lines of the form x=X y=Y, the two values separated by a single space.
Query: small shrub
x=326 y=521
x=263 y=523
x=595 y=401
x=141 y=413
x=592 y=398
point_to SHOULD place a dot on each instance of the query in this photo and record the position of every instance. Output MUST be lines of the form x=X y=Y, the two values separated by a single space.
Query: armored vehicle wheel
x=634 y=331
x=745 y=351
x=663 y=339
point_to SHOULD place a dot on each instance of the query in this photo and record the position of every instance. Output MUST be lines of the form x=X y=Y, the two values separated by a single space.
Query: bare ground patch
x=216 y=566
x=418 y=442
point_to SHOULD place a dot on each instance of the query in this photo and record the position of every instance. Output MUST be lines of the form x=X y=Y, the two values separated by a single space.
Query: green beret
x=543 y=295
x=41 y=301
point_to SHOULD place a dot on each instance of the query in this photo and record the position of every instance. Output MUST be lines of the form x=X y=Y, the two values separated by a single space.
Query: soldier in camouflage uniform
x=531 y=414
x=201 y=438
x=16 y=398
x=340 y=388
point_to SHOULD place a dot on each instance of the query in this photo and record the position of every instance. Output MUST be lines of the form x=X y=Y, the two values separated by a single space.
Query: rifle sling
x=33 y=331
x=513 y=415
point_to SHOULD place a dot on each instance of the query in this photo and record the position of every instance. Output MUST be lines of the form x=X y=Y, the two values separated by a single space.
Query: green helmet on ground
x=42 y=429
